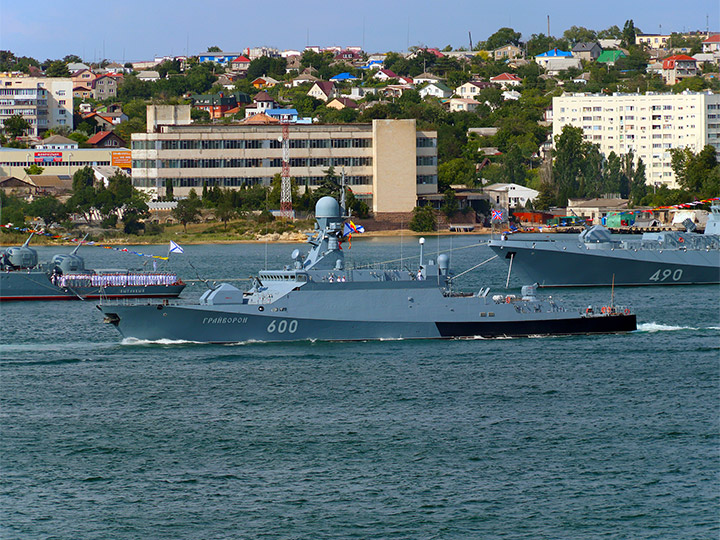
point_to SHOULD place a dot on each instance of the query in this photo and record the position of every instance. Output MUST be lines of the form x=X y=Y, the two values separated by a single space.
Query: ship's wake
x=652 y=327
x=144 y=342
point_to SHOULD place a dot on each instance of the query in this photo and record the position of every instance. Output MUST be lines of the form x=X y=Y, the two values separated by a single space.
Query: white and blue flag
x=175 y=248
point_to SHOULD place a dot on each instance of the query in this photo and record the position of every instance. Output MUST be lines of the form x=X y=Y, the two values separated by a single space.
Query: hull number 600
x=283 y=326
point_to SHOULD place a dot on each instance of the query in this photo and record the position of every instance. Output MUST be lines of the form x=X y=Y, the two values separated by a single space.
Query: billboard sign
x=48 y=157
x=122 y=159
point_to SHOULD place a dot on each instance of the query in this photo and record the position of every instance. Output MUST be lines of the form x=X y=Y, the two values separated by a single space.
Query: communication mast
x=285 y=190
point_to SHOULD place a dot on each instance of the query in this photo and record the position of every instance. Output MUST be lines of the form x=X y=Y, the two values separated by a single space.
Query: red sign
x=48 y=157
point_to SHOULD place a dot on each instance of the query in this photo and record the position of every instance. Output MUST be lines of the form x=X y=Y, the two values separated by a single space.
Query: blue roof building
x=221 y=58
x=284 y=115
x=343 y=77
x=554 y=53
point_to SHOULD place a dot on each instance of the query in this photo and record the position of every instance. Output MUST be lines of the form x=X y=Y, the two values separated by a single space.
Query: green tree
x=423 y=219
x=133 y=88
x=34 y=169
x=264 y=65
x=458 y=171
x=214 y=48
x=188 y=210
x=579 y=34
x=169 y=196
x=13 y=209
x=83 y=198
x=225 y=211
x=199 y=78
x=628 y=34
x=568 y=162
x=694 y=172
x=612 y=32
x=199 y=116
x=57 y=68
x=49 y=209
x=330 y=185
x=16 y=125
x=450 y=205
x=127 y=128
x=503 y=36
x=513 y=170
x=638 y=183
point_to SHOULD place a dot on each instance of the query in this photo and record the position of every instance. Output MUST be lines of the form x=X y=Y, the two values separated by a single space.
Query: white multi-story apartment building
x=649 y=125
x=45 y=102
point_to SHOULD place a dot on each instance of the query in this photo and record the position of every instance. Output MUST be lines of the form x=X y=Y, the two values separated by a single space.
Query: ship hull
x=26 y=286
x=569 y=264
x=194 y=324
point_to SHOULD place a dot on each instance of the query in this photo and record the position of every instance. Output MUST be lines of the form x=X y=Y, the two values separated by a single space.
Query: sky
x=135 y=30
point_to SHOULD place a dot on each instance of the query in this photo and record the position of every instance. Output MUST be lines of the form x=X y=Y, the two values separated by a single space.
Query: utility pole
x=548 y=21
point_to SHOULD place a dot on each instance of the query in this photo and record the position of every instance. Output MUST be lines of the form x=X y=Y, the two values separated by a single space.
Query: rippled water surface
x=572 y=437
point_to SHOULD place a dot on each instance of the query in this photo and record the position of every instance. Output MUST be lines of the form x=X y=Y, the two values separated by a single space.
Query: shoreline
x=285 y=238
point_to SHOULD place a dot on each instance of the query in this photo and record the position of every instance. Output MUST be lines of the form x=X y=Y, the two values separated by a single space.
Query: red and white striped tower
x=285 y=190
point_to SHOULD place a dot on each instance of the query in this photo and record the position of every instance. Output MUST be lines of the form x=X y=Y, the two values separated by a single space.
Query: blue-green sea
x=571 y=437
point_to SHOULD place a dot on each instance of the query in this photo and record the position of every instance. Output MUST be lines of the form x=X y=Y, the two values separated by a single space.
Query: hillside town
x=612 y=125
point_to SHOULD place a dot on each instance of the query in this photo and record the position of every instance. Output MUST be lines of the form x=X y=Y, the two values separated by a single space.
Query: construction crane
x=285 y=189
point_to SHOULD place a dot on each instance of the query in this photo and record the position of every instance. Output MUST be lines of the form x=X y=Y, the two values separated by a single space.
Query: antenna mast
x=285 y=189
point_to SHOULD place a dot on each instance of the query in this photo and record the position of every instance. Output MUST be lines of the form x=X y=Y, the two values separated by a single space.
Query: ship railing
x=605 y=311
x=139 y=301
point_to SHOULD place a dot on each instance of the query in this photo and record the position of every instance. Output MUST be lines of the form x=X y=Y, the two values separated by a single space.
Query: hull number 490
x=664 y=275
x=283 y=326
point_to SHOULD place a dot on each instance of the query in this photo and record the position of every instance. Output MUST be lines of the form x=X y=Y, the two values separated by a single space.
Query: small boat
x=65 y=277
x=316 y=297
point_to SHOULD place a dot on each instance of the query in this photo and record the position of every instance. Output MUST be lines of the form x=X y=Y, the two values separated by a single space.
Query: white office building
x=45 y=102
x=649 y=125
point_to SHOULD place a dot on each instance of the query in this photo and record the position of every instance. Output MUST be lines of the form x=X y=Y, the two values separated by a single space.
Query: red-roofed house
x=712 y=44
x=678 y=67
x=434 y=52
x=349 y=56
x=323 y=90
x=340 y=103
x=385 y=74
x=106 y=139
x=240 y=64
x=506 y=79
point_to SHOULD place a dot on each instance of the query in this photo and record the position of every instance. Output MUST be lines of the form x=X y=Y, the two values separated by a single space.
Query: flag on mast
x=175 y=248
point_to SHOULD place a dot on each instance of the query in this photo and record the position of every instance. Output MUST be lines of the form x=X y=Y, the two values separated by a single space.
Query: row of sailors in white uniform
x=115 y=280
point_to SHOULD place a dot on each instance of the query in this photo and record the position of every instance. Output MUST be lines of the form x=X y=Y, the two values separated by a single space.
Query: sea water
x=570 y=437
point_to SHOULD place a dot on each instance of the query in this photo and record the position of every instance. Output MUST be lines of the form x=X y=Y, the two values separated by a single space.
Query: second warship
x=595 y=258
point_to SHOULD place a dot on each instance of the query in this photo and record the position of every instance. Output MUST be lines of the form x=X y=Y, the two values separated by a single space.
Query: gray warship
x=316 y=297
x=65 y=277
x=594 y=258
